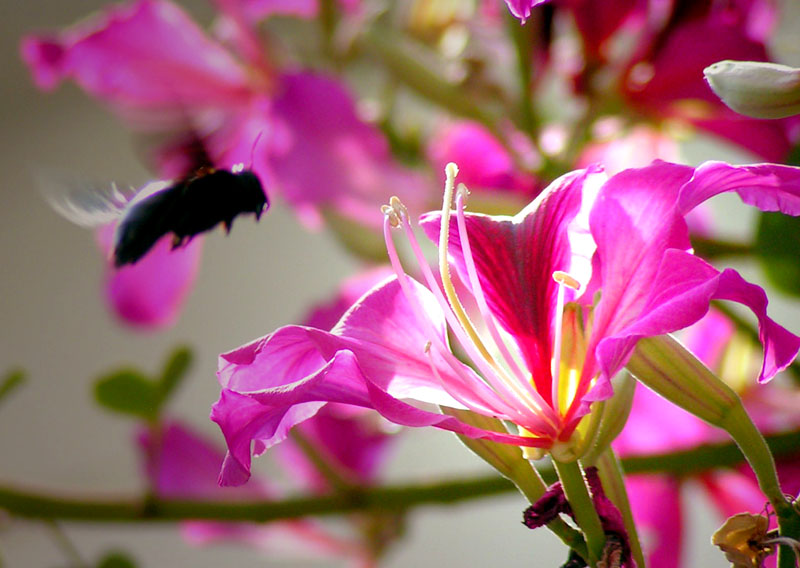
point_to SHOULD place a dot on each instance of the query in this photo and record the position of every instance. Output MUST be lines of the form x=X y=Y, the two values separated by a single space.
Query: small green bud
x=756 y=89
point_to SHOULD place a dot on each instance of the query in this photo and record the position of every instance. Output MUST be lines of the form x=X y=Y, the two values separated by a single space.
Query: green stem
x=614 y=485
x=714 y=248
x=35 y=505
x=744 y=432
x=580 y=500
x=39 y=505
x=524 y=40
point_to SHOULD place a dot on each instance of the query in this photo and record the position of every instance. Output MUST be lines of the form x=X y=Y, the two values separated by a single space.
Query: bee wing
x=86 y=204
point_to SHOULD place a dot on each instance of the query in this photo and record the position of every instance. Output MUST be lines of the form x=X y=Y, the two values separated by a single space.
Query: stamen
x=467 y=381
x=564 y=280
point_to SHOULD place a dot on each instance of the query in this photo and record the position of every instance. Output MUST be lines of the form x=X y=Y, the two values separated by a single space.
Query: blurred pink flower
x=665 y=77
x=487 y=165
x=182 y=464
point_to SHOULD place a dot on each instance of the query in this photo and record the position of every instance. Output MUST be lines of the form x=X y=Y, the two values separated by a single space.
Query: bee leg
x=176 y=241
x=228 y=225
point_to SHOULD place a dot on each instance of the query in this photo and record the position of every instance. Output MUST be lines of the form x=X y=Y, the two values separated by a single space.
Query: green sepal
x=667 y=367
x=614 y=416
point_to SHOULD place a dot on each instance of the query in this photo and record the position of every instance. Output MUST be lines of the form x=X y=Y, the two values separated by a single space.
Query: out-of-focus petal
x=645 y=434
x=355 y=440
x=150 y=293
x=483 y=163
x=656 y=504
x=148 y=54
x=522 y=8
x=669 y=83
x=323 y=155
x=325 y=315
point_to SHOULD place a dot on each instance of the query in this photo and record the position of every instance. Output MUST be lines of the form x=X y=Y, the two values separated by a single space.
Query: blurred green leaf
x=128 y=392
x=11 y=382
x=174 y=372
x=116 y=559
x=777 y=246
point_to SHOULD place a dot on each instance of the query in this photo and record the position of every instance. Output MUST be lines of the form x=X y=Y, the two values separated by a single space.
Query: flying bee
x=185 y=208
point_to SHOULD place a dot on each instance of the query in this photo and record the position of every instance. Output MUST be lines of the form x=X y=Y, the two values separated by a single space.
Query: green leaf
x=128 y=392
x=116 y=560
x=777 y=246
x=174 y=372
x=13 y=380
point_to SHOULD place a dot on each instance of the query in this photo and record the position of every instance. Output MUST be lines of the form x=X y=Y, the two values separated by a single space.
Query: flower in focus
x=298 y=130
x=564 y=291
x=656 y=426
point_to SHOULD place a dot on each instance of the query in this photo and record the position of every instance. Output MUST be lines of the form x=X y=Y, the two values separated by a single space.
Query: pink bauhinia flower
x=656 y=426
x=298 y=130
x=553 y=327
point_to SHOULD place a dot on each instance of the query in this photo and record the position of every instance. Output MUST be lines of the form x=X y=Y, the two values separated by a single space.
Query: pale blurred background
x=55 y=325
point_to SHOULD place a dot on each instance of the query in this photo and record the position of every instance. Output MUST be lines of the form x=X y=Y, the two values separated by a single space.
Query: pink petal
x=770 y=187
x=522 y=8
x=266 y=416
x=150 y=293
x=482 y=161
x=644 y=432
x=633 y=223
x=681 y=292
x=374 y=357
x=598 y=20
x=323 y=155
x=656 y=504
x=325 y=315
x=145 y=54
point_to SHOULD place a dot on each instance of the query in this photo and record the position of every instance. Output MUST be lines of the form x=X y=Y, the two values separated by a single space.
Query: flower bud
x=756 y=89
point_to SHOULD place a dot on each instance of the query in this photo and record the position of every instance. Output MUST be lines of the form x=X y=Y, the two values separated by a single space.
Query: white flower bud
x=756 y=89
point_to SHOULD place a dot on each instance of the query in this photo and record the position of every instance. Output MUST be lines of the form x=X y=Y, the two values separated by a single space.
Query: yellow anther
x=395 y=211
x=427 y=347
x=565 y=279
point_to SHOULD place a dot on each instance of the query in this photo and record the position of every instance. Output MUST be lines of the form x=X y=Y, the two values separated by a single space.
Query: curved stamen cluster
x=506 y=388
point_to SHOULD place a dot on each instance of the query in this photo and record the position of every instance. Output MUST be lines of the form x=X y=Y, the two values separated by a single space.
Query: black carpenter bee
x=184 y=208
